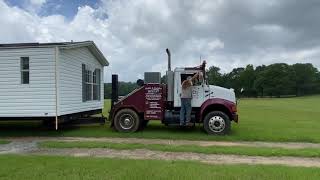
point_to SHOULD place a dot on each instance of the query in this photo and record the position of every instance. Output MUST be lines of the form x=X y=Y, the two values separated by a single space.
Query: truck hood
x=222 y=93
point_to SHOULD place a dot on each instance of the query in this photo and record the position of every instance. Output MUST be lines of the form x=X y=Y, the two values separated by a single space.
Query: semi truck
x=213 y=106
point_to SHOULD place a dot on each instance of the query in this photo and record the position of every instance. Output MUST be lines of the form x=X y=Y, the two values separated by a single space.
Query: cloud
x=133 y=34
x=37 y=2
x=34 y=6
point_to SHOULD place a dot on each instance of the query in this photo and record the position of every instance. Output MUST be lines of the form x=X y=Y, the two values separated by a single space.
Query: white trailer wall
x=27 y=100
x=70 y=80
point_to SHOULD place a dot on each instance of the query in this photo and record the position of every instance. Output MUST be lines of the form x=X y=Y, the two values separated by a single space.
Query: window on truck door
x=196 y=82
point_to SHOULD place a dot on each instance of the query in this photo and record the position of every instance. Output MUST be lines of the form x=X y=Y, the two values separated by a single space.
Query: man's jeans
x=185 y=111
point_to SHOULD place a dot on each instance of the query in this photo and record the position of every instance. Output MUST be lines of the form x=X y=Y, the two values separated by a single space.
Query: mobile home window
x=83 y=82
x=96 y=84
x=25 y=70
x=91 y=84
x=86 y=84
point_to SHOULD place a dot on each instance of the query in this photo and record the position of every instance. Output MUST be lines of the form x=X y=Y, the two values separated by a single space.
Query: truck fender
x=217 y=104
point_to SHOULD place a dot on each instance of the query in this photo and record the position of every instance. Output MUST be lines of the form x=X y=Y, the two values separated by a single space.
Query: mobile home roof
x=63 y=45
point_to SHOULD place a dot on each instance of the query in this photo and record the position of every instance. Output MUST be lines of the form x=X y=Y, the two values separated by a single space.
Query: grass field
x=53 y=167
x=274 y=119
x=4 y=142
x=238 y=150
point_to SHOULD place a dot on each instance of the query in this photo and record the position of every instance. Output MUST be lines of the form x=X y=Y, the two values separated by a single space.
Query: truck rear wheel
x=126 y=120
x=217 y=123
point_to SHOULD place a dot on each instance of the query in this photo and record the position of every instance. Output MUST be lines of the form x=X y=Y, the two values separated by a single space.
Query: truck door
x=177 y=89
x=197 y=90
x=198 y=93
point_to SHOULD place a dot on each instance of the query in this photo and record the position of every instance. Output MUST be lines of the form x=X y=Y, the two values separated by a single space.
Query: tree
x=164 y=79
x=317 y=89
x=124 y=89
x=107 y=90
x=214 y=76
x=247 y=78
x=276 y=80
x=258 y=81
x=306 y=78
x=232 y=80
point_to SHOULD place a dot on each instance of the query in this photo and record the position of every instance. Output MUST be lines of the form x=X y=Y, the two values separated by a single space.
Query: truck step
x=191 y=124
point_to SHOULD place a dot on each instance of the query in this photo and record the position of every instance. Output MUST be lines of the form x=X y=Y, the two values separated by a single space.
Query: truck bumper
x=235 y=117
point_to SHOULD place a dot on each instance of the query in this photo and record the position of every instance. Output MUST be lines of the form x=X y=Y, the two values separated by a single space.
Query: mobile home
x=50 y=81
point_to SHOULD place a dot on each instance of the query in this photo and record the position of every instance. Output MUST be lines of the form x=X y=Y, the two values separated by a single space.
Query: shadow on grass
x=19 y=129
x=154 y=130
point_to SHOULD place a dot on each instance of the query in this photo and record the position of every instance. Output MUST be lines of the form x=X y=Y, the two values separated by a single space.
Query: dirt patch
x=287 y=145
x=159 y=155
x=18 y=147
x=28 y=145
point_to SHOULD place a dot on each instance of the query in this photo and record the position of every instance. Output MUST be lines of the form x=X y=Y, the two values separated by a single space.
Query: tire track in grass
x=159 y=155
x=29 y=146
x=287 y=145
x=18 y=146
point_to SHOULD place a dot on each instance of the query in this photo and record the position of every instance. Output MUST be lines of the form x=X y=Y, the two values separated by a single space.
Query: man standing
x=186 y=97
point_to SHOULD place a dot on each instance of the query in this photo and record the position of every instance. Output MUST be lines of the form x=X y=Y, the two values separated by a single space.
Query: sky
x=133 y=34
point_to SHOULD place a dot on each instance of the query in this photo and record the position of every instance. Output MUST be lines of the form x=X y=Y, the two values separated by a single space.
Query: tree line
x=273 y=80
x=124 y=88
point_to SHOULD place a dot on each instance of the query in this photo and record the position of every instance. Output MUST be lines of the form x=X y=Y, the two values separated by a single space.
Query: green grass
x=69 y=168
x=238 y=150
x=107 y=106
x=4 y=142
x=270 y=119
x=287 y=119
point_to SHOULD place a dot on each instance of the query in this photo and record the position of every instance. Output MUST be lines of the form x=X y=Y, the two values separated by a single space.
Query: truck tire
x=126 y=120
x=217 y=123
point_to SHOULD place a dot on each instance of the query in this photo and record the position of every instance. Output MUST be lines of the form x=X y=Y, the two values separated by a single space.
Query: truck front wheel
x=126 y=120
x=217 y=122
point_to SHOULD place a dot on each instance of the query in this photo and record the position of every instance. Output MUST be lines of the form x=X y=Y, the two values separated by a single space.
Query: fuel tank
x=173 y=117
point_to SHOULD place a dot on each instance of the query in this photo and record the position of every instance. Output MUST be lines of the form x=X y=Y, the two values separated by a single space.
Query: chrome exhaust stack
x=170 y=77
x=169 y=59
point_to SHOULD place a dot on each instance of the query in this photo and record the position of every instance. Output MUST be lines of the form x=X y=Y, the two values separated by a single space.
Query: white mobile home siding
x=70 y=80
x=27 y=100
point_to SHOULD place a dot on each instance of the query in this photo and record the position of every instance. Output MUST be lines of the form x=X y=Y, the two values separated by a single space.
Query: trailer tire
x=127 y=120
x=217 y=123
